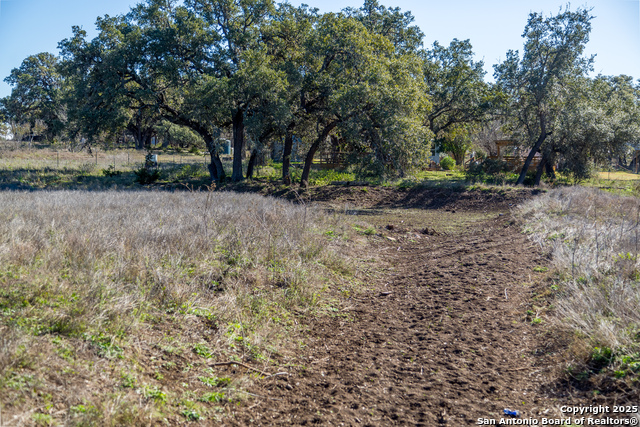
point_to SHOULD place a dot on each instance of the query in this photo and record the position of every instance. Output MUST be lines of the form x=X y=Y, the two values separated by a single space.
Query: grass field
x=123 y=303
x=50 y=168
x=116 y=305
x=619 y=176
x=594 y=239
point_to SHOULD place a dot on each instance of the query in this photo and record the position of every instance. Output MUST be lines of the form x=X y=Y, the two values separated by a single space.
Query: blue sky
x=28 y=27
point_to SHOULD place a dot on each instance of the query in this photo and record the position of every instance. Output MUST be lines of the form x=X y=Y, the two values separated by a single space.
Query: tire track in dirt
x=448 y=344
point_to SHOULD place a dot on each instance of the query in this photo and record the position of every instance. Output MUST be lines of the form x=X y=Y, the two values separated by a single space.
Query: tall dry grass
x=89 y=275
x=594 y=241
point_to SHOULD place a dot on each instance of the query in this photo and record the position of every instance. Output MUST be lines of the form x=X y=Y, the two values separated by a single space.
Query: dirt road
x=442 y=338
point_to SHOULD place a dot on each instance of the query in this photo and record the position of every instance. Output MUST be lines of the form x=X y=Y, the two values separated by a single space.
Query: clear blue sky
x=28 y=27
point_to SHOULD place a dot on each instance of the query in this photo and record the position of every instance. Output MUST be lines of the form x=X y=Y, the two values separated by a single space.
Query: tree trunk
x=139 y=139
x=534 y=150
x=216 y=170
x=459 y=157
x=540 y=169
x=148 y=136
x=252 y=163
x=286 y=156
x=238 y=145
x=304 y=181
x=140 y=135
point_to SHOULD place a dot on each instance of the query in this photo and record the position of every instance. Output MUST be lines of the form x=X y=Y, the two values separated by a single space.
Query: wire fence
x=24 y=158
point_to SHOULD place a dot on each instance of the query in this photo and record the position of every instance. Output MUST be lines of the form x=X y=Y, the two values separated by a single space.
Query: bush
x=111 y=171
x=144 y=176
x=447 y=163
x=577 y=170
x=489 y=170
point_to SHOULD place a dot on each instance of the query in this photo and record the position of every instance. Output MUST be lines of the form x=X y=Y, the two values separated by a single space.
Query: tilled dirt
x=441 y=338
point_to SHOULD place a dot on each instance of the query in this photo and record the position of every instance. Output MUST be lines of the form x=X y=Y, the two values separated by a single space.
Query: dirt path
x=440 y=340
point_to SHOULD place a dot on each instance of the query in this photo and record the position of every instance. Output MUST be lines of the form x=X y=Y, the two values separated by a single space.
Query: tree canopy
x=270 y=73
x=37 y=94
x=538 y=86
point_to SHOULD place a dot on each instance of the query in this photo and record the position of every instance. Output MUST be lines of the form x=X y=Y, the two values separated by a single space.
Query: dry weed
x=594 y=238
x=96 y=285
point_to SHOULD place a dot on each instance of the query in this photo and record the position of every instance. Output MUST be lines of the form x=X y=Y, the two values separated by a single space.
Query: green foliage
x=215 y=397
x=493 y=171
x=600 y=122
x=455 y=84
x=128 y=381
x=191 y=415
x=601 y=357
x=392 y=23
x=37 y=96
x=203 y=350
x=42 y=419
x=215 y=381
x=180 y=137
x=153 y=393
x=111 y=172
x=630 y=363
x=537 y=88
x=456 y=140
x=105 y=346
x=324 y=177
x=447 y=163
x=144 y=176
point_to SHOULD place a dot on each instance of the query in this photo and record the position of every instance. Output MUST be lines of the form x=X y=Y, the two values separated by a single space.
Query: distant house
x=514 y=155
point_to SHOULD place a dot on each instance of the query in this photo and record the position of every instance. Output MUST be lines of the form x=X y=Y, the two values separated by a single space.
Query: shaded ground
x=441 y=337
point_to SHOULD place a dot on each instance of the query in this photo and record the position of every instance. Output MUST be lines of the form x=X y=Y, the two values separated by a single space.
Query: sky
x=28 y=27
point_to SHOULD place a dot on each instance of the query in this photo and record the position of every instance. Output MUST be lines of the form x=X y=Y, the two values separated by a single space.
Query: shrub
x=447 y=163
x=489 y=170
x=111 y=171
x=144 y=176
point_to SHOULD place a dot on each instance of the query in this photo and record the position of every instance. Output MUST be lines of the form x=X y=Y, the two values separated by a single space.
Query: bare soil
x=440 y=336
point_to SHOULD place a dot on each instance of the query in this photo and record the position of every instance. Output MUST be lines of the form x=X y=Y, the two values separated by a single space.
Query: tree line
x=266 y=71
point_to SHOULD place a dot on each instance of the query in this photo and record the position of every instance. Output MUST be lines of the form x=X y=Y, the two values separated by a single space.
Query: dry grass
x=51 y=168
x=594 y=240
x=112 y=303
x=618 y=176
